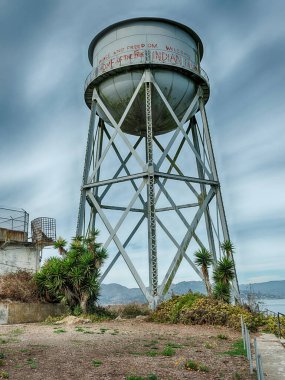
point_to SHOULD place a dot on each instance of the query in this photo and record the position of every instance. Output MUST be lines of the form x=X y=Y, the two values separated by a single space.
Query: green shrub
x=192 y=365
x=214 y=312
x=96 y=363
x=169 y=311
x=237 y=349
x=194 y=308
x=168 y=351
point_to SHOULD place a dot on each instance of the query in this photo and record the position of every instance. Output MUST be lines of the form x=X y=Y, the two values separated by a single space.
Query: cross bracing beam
x=184 y=245
x=173 y=164
x=115 y=180
x=118 y=208
x=150 y=185
x=118 y=254
x=170 y=236
x=186 y=179
x=180 y=125
x=123 y=164
x=119 y=246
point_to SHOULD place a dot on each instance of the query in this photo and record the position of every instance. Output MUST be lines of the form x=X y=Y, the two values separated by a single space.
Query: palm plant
x=204 y=259
x=73 y=278
x=60 y=244
x=222 y=292
x=223 y=274
x=224 y=271
x=228 y=247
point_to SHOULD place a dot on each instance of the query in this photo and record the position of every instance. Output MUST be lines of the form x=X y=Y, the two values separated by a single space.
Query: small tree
x=204 y=260
x=228 y=248
x=73 y=278
x=60 y=245
x=223 y=274
x=222 y=292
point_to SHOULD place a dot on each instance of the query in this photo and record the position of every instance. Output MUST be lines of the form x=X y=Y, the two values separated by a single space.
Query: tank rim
x=122 y=22
x=191 y=74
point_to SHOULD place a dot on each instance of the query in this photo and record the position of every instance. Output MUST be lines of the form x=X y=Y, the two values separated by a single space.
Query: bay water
x=272 y=304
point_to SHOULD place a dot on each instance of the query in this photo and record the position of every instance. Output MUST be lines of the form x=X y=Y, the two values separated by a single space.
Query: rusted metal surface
x=10 y=235
x=43 y=231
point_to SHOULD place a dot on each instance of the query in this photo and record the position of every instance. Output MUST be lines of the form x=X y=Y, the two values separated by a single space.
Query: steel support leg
x=87 y=164
x=203 y=190
x=152 y=245
x=100 y=136
x=218 y=190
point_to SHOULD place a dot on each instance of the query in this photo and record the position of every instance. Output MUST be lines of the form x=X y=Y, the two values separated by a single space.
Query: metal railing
x=249 y=353
x=14 y=224
x=280 y=321
x=281 y=325
x=194 y=68
x=258 y=360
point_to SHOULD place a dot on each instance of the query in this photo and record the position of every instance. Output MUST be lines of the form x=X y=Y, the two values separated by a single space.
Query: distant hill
x=270 y=289
x=115 y=294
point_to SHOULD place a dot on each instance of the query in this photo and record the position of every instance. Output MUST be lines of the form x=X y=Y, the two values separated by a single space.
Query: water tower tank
x=120 y=54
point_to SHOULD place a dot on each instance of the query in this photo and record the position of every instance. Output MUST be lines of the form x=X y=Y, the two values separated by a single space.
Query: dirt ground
x=118 y=350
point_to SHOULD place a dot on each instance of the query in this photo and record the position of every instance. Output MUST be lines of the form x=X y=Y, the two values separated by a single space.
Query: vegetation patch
x=59 y=331
x=152 y=353
x=192 y=365
x=196 y=309
x=168 y=351
x=149 y=377
x=19 y=286
x=32 y=363
x=96 y=363
x=169 y=311
x=237 y=349
x=73 y=278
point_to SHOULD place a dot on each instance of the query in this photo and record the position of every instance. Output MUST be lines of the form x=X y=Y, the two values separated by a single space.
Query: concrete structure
x=150 y=172
x=16 y=256
x=16 y=251
x=13 y=312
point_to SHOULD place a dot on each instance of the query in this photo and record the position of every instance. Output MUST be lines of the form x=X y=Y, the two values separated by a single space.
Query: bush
x=194 y=308
x=19 y=286
x=214 y=312
x=132 y=310
x=169 y=311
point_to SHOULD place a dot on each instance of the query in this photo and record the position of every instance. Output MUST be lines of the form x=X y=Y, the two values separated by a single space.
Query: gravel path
x=117 y=350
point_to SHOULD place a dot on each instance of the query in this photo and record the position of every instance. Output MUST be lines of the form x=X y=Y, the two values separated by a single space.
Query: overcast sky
x=44 y=119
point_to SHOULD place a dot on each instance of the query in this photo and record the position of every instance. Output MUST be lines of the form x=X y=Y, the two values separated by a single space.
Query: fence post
x=279 y=327
x=242 y=331
x=257 y=357
x=248 y=350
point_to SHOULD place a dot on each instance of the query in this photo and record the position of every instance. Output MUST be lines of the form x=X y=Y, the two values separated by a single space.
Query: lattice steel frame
x=151 y=175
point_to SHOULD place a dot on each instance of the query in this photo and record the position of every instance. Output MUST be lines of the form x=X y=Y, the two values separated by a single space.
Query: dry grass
x=19 y=286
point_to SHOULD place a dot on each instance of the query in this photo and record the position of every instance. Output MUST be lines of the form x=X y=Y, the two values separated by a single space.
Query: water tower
x=150 y=176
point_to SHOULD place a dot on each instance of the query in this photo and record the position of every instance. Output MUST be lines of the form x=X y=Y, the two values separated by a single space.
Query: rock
x=141 y=317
